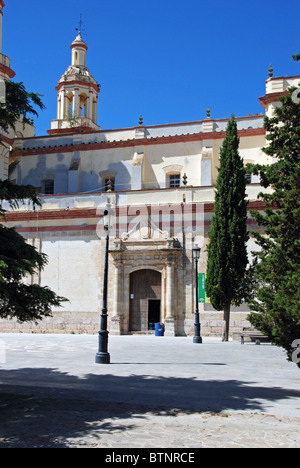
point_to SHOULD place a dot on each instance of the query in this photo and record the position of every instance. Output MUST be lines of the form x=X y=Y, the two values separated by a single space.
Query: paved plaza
x=157 y=392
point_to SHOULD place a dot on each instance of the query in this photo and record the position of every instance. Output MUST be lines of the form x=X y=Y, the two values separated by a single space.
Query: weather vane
x=81 y=23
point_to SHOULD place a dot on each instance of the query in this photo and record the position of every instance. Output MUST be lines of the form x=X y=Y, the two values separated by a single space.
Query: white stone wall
x=76 y=266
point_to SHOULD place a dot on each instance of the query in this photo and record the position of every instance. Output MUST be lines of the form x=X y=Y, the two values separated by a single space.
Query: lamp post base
x=197 y=331
x=197 y=339
x=102 y=358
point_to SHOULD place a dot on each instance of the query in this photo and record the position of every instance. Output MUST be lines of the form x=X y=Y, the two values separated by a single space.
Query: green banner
x=201 y=282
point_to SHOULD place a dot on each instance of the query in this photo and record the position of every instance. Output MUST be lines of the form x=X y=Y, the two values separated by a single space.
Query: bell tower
x=77 y=94
x=6 y=73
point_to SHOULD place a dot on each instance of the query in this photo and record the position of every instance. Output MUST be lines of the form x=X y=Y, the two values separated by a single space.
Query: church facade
x=157 y=182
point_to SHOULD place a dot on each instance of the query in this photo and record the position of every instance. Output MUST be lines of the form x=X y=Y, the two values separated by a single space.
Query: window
x=48 y=187
x=174 y=180
x=248 y=178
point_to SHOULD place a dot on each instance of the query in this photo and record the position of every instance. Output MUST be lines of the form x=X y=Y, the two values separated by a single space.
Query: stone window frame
x=173 y=170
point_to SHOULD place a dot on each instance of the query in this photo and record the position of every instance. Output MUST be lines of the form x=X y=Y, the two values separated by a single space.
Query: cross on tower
x=80 y=29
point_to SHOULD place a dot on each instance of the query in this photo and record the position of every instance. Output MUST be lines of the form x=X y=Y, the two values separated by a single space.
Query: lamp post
x=103 y=357
x=197 y=327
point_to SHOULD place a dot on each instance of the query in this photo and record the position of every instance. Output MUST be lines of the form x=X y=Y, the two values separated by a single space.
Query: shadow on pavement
x=44 y=407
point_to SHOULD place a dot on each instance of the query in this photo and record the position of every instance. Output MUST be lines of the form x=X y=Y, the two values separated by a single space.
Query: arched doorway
x=145 y=300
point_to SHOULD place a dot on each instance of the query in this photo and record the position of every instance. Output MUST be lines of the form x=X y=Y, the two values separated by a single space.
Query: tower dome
x=79 y=49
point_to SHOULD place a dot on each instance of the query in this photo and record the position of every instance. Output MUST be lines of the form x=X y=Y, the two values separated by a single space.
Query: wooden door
x=145 y=286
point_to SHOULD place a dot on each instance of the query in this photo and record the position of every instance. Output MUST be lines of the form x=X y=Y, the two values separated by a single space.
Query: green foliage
x=26 y=302
x=227 y=253
x=19 y=261
x=19 y=105
x=20 y=258
x=72 y=120
x=2 y=267
x=277 y=286
x=16 y=194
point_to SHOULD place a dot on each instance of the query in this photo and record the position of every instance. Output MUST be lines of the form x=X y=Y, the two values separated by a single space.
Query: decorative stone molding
x=107 y=174
x=138 y=159
x=145 y=229
x=172 y=168
x=207 y=152
x=47 y=177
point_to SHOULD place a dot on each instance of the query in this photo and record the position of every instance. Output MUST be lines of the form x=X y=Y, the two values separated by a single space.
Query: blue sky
x=168 y=60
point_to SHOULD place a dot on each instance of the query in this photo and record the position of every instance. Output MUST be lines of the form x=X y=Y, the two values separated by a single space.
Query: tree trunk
x=225 y=336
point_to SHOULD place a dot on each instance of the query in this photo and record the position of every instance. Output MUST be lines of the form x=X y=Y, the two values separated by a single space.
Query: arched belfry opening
x=145 y=300
x=83 y=105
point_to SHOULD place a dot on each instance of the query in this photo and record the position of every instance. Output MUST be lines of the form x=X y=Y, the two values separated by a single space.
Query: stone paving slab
x=157 y=392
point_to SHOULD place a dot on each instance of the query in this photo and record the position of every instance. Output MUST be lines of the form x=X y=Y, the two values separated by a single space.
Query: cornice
x=61 y=215
x=7 y=71
x=73 y=83
x=272 y=97
x=140 y=142
x=64 y=131
x=79 y=45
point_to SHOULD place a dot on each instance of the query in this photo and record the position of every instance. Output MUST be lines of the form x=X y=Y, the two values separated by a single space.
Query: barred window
x=48 y=187
x=174 y=180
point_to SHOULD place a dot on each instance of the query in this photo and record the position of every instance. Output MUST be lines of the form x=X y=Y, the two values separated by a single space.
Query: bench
x=254 y=335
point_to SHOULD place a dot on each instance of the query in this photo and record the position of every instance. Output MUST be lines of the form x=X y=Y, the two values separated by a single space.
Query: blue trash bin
x=159 y=329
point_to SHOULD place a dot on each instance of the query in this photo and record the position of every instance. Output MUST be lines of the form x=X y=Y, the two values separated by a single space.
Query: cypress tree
x=276 y=307
x=227 y=252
